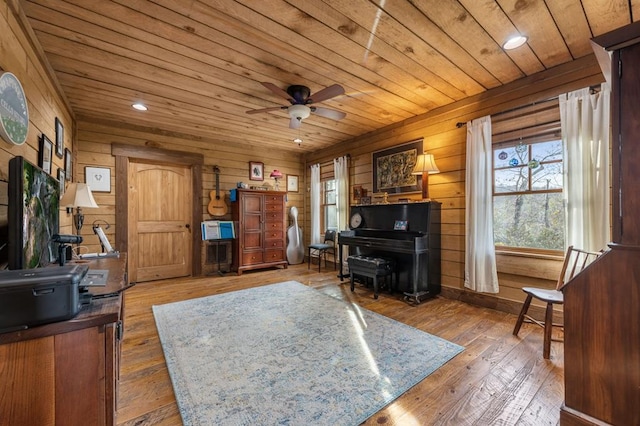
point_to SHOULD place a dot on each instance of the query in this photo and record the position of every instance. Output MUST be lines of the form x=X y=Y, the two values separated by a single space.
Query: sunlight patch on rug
x=288 y=354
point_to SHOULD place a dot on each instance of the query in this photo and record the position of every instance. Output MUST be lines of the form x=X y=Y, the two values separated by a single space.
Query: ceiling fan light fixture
x=299 y=112
x=514 y=42
x=297 y=140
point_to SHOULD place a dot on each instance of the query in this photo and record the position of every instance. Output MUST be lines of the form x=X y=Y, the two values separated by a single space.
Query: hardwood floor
x=499 y=379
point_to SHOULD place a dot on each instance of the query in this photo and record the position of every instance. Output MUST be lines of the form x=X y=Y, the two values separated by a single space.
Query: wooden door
x=160 y=199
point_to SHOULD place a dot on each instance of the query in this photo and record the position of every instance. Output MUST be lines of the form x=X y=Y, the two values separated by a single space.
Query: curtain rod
x=592 y=89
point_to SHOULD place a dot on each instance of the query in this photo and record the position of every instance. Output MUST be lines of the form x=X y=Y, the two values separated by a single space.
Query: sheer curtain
x=315 y=204
x=584 y=118
x=341 y=175
x=480 y=273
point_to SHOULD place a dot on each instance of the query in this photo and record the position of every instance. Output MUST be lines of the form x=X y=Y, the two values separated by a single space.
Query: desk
x=66 y=372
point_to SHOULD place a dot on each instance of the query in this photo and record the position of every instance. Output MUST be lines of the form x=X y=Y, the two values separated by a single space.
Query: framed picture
x=392 y=168
x=357 y=193
x=59 y=138
x=292 y=183
x=46 y=151
x=61 y=179
x=98 y=178
x=256 y=170
x=365 y=200
x=400 y=225
x=68 y=164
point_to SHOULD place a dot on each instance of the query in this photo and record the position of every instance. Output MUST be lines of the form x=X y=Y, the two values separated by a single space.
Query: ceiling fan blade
x=294 y=123
x=255 y=111
x=278 y=91
x=328 y=113
x=326 y=93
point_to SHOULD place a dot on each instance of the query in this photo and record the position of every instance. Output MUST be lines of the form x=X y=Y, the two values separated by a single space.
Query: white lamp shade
x=425 y=163
x=78 y=195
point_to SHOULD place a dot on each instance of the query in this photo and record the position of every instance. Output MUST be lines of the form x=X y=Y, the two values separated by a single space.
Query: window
x=329 y=218
x=528 y=206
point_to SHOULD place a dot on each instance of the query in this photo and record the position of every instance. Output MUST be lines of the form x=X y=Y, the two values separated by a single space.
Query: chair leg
x=548 y=328
x=523 y=311
x=375 y=286
x=320 y=260
x=309 y=259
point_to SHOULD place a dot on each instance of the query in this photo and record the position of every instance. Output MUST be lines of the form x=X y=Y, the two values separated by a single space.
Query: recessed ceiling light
x=139 y=107
x=514 y=42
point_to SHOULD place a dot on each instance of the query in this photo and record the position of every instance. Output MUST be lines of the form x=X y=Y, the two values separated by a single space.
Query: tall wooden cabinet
x=261 y=224
x=602 y=304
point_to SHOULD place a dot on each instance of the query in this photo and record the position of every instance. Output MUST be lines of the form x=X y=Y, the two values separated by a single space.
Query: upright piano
x=415 y=249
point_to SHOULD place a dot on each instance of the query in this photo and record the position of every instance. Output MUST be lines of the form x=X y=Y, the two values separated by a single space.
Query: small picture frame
x=59 y=138
x=292 y=183
x=400 y=225
x=61 y=179
x=68 y=163
x=46 y=151
x=357 y=193
x=365 y=200
x=98 y=178
x=256 y=170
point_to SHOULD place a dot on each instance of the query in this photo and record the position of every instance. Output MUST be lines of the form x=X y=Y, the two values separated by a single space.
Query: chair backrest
x=575 y=260
x=329 y=236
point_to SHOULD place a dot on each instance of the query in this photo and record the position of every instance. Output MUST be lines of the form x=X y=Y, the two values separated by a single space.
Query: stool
x=371 y=267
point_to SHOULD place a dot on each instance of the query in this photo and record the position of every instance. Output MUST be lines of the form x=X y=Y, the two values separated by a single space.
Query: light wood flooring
x=498 y=379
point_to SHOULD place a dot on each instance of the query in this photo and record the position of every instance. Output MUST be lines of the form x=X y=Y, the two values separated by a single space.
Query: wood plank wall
x=20 y=56
x=94 y=141
x=448 y=144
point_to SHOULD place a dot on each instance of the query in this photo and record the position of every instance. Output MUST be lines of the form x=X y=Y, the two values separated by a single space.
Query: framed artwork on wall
x=392 y=168
x=59 y=138
x=98 y=178
x=292 y=183
x=46 y=151
x=256 y=170
x=68 y=163
x=61 y=179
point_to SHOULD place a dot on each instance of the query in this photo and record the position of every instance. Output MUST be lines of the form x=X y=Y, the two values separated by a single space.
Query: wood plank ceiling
x=198 y=65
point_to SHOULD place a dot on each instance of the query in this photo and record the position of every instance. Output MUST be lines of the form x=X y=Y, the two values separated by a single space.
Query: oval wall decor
x=14 y=114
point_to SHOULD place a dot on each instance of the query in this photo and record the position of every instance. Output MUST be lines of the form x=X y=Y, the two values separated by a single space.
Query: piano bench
x=372 y=267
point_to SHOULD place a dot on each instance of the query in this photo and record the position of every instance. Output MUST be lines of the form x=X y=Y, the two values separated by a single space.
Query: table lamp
x=425 y=166
x=275 y=175
x=78 y=195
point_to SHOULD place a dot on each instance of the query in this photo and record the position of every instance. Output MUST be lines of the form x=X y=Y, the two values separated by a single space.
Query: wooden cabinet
x=602 y=304
x=66 y=373
x=261 y=226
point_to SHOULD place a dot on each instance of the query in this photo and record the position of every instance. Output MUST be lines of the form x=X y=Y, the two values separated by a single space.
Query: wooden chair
x=320 y=250
x=575 y=260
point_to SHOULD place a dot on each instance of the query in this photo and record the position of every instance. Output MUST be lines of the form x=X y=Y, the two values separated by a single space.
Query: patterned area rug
x=286 y=354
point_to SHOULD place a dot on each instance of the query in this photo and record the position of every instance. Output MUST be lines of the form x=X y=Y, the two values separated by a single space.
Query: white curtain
x=480 y=272
x=315 y=204
x=584 y=119
x=341 y=175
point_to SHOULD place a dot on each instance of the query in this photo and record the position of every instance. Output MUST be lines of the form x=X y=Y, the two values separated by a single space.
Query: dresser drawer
x=252 y=258
x=272 y=255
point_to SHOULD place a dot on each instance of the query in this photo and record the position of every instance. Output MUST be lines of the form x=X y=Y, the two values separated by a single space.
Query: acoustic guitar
x=217 y=206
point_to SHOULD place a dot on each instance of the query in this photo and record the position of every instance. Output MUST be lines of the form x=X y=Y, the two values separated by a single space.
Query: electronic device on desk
x=107 y=248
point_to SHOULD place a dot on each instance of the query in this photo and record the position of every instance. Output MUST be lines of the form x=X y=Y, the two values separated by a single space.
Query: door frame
x=123 y=154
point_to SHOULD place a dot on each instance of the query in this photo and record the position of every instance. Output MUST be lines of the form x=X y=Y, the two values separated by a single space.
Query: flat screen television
x=34 y=215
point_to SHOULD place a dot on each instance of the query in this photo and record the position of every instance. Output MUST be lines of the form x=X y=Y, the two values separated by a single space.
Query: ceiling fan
x=300 y=98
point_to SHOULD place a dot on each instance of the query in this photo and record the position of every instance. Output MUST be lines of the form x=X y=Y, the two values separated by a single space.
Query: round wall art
x=14 y=114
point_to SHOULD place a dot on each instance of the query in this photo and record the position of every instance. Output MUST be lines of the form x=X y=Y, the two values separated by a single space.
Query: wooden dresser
x=261 y=230
x=66 y=373
x=602 y=304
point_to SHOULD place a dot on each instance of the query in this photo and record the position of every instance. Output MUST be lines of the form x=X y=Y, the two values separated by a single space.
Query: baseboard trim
x=493 y=302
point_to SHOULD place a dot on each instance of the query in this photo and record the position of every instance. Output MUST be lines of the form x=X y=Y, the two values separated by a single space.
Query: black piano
x=416 y=248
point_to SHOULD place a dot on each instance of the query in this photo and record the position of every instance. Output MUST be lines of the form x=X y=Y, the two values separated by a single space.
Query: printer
x=31 y=297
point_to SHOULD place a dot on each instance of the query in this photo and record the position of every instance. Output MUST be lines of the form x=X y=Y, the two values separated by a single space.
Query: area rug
x=286 y=354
